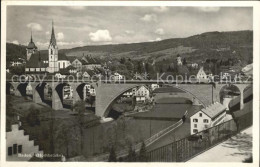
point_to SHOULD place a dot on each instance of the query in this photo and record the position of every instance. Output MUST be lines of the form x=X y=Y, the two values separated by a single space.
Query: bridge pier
x=35 y=93
x=75 y=95
x=56 y=100
x=16 y=90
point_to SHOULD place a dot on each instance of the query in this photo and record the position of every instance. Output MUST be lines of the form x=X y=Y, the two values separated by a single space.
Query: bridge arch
x=107 y=107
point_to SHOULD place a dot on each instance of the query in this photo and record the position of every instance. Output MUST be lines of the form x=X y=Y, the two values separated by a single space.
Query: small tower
x=31 y=49
x=53 y=53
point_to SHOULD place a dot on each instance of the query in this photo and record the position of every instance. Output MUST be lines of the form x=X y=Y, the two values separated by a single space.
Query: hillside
x=13 y=52
x=195 y=48
x=209 y=40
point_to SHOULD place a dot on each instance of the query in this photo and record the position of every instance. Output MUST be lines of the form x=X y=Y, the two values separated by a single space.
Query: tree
x=142 y=153
x=122 y=60
x=184 y=61
x=33 y=117
x=79 y=107
x=112 y=155
x=131 y=157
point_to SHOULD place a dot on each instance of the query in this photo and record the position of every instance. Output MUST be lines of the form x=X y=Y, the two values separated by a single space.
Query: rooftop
x=214 y=110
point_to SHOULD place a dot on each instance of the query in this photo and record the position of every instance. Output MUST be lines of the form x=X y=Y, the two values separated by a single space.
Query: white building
x=86 y=74
x=118 y=77
x=142 y=93
x=19 y=144
x=154 y=86
x=202 y=76
x=18 y=62
x=128 y=93
x=63 y=61
x=89 y=89
x=207 y=117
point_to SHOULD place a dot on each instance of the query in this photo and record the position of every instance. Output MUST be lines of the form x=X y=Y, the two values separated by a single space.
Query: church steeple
x=31 y=36
x=53 y=39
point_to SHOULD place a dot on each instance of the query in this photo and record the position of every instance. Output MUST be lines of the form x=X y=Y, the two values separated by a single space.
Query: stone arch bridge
x=107 y=93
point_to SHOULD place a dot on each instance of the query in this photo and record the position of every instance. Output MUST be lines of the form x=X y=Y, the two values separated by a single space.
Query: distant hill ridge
x=204 y=41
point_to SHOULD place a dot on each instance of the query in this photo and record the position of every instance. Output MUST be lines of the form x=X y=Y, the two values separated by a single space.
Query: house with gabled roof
x=205 y=118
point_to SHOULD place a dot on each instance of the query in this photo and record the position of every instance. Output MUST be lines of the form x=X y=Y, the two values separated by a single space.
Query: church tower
x=31 y=49
x=53 y=53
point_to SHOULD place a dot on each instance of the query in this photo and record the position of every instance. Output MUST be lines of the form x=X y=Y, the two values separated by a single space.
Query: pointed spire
x=31 y=36
x=53 y=39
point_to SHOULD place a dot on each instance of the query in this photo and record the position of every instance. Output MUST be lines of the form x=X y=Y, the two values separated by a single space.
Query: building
x=50 y=61
x=202 y=76
x=77 y=64
x=17 y=143
x=53 y=54
x=128 y=93
x=31 y=49
x=18 y=62
x=86 y=75
x=205 y=118
x=154 y=86
x=90 y=63
x=63 y=61
x=117 y=76
x=142 y=93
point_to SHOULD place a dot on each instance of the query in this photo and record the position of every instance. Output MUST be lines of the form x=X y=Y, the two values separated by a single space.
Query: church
x=50 y=61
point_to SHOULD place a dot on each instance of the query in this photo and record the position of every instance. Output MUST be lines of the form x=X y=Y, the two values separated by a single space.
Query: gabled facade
x=207 y=117
x=77 y=64
x=201 y=75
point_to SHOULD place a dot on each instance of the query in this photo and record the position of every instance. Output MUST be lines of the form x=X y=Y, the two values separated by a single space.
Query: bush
x=112 y=155
x=142 y=154
x=33 y=117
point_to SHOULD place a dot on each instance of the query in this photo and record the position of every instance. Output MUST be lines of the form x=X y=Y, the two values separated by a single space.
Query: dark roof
x=31 y=45
x=168 y=90
x=89 y=60
x=36 y=60
x=70 y=67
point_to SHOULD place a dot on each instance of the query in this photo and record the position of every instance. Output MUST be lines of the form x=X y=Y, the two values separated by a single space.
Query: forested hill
x=194 y=47
x=13 y=52
x=209 y=40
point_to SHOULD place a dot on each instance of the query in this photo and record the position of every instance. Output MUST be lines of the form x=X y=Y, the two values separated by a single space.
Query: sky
x=97 y=25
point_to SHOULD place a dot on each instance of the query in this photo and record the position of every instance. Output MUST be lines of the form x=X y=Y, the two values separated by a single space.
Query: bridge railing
x=187 y=148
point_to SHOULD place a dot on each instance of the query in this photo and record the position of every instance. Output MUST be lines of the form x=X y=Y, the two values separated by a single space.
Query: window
x=195 y=130
x=200 y=114
x=10 y=150
x=20 y=148
x=15 y=149
x=195 y=120
x=205 y=120
x=195 y=125
x=51 y=51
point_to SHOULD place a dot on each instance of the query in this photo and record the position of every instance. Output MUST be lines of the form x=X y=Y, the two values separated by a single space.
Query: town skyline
x=150 y=24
